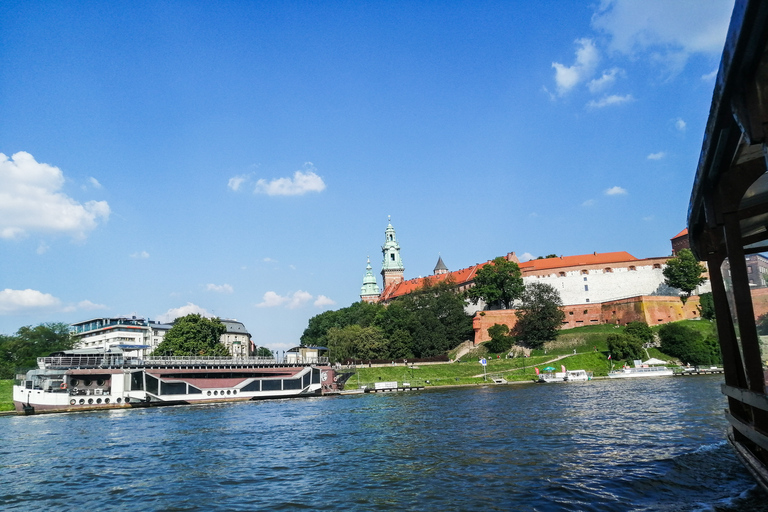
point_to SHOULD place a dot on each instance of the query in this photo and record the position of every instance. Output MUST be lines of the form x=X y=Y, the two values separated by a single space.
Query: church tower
x=440 y=268
x=370 y=290
x=392 y=269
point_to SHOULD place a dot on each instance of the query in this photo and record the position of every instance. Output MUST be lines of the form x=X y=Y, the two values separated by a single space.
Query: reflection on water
x=635 y=444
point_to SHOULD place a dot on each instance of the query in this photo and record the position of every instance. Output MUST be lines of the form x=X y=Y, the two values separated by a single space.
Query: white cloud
x=236 y=181
x=94 y=182
x=219 y=288
x=568 y=77
x=709 y=77
x=296 y=300
x=272 y=300
x=526 y=256
x=301 y=183
x=19 y=301
x=31 y=201
x=322 y=300
x=299 y=299
x=269 y=260
x=649 y=218
x=588 y=203
x=174 y=313
x=670 y=30
x=657 y=156
x=86 y=305
x=607 y=79
x=615 y=191
x=140 y=255
x=613 y=99
x=680 y=124
x=42 y=248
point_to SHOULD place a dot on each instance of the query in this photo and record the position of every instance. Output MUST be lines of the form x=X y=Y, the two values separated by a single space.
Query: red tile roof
x=458 y=276
x=682 y=233
x=597 y=258
x=466 y=275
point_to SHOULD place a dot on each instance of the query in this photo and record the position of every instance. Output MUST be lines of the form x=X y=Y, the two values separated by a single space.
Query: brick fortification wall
x=652 y=310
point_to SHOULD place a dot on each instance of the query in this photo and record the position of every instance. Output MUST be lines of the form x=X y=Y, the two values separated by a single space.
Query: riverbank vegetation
x=583 y=348
x=6 y=395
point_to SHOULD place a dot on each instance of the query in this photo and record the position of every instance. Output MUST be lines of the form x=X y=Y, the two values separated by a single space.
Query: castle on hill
x=611 y=287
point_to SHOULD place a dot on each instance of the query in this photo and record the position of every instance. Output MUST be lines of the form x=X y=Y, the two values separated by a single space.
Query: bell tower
x=370 y=290
x=392 y=269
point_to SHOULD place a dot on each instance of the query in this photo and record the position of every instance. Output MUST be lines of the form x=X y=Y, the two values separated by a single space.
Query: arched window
x=608 y=270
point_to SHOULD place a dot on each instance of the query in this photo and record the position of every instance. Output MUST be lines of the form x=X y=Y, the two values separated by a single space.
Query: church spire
x=440 y=268
x=392 y=269
x=370 y=290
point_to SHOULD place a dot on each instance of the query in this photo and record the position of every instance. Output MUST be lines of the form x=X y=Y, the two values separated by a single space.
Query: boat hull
x=60 y=389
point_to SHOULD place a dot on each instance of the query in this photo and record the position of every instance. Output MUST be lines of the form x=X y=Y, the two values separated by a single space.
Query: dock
x=698 y=371
x=394 y=390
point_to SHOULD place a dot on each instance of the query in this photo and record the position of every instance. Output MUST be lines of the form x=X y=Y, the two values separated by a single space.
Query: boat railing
x=112 y=361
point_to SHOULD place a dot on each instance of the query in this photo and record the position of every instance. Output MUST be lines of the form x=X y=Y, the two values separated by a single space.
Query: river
x=637 y=444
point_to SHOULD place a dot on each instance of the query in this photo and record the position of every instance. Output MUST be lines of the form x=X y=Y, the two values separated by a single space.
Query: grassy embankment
x=6 y=395
x=589 y=342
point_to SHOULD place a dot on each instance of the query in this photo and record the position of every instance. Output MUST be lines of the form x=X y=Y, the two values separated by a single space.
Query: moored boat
x=93 y=379
x=648 y=371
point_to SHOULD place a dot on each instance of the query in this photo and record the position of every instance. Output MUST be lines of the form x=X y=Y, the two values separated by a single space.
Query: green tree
x=263 y=352
x=625 y=346
x=500 y=340
x=193 y=335
x=21 y=350
x=688 y=345
x=707 y=304
x=684 y=272
x=498 y=283
x=639 y=330
x=437 y=320
x=356 y=342
x=539 y=316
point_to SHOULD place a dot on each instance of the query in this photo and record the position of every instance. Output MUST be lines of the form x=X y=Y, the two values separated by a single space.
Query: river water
x=635 y=444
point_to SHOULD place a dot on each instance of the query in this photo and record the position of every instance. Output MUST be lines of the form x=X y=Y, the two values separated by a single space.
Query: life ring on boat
x=72 y=402
x=63 y=385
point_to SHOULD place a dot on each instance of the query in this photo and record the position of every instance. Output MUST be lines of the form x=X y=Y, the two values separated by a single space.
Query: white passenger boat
x=649 y=371
x=578 y=376
x=87 y=380
x=566 y=376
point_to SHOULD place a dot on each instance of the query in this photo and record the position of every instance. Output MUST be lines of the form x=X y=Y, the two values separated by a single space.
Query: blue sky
x=241 y=158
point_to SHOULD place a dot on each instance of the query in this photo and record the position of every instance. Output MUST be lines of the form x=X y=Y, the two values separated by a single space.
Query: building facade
x=143 y=335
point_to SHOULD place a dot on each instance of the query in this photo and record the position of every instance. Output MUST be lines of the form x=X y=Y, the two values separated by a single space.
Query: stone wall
x=653 y=310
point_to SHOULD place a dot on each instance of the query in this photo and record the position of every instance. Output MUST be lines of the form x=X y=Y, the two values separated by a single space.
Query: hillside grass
x=588 y=342
x=6 y=395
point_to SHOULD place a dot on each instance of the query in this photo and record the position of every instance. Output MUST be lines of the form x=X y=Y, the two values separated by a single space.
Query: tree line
x=20 y=351
x=428 y=322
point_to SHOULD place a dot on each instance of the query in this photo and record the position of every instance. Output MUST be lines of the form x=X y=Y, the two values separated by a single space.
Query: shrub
x=625 y=346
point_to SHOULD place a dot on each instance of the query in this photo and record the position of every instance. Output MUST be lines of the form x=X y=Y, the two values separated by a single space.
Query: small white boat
x=578 y=375
x=566 y=376
x=547 y=377
x=648 y=371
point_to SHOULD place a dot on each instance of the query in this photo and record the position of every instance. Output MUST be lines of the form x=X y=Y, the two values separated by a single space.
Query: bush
x=688 y=345
x=500 y=339
x=625 y=346
x=639 y=330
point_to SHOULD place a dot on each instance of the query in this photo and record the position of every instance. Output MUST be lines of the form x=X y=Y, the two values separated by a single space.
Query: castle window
x=586 y=287
x=585 y=271
x=392 y=257
x=562 y=274
x=586 y=311
x=585 y=278
x=608 y=270
x=632 y=267
x=657 y=265
x=587 y=300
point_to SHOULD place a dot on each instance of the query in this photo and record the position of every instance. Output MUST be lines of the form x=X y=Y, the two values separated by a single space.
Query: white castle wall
x=592 y=285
